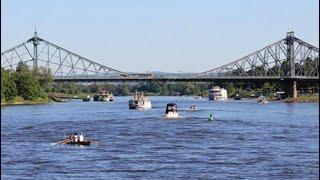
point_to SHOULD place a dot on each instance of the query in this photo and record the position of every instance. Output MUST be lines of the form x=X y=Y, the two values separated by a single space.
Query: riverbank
x=21 y=101
x=304 y=98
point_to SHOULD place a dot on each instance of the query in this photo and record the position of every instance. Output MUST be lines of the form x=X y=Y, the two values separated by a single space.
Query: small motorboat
x=237 y=97
x=111 y=97
x=172 y=111
x=104 y=96
x=139 y=101
x=96 y=97
x=193 y=108
x=198 y=97
x=262 y=100
x=86 y=99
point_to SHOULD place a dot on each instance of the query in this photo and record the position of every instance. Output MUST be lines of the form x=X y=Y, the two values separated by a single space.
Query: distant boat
x=193 y=108
x=103 y=96
x=57 y=99
x=86 y=99
x=217 y=93
x=96 y=97
x=111 y=97
x=138 y=101
x=237 y=97
x=172 y=111
x=262 y=100
x=198 y=97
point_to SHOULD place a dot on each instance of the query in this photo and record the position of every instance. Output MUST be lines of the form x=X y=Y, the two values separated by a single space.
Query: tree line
x=33 y=84
x=24 y=83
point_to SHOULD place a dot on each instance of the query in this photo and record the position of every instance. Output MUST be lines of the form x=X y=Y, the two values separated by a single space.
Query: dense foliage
x=33 y=84
x=170 y=89
x=23 y=82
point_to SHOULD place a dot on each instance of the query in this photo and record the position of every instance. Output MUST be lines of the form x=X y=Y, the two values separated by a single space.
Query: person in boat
x=211 y=118
x=81 y=137
x=76 y=137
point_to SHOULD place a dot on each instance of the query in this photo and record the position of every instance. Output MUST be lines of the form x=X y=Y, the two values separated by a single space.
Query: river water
x=246 y=141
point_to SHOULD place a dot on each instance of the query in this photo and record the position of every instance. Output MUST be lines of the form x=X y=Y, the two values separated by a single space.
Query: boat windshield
x=171 y=108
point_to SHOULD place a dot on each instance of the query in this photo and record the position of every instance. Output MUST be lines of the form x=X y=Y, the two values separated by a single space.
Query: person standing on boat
x=76 y=137
x=81 y=137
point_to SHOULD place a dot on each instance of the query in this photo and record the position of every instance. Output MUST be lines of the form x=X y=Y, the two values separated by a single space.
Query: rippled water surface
x=247 y=140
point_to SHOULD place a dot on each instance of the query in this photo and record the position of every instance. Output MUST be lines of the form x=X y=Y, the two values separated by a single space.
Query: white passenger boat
x=139 y=101
x=217 y=93
x=106 y=96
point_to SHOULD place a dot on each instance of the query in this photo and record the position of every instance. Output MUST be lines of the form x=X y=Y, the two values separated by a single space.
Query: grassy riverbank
x=304 y=98
x=21 y=101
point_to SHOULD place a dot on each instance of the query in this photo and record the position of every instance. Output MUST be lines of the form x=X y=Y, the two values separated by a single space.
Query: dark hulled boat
x=84 y=143
x=96 y=97
x=237 y=97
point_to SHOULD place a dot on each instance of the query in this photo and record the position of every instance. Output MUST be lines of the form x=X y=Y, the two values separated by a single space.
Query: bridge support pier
x=293 y=89
x=290 y=87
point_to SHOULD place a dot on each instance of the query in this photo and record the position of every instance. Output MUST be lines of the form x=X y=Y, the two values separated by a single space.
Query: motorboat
x=57 y=99
x=198 y=97
x=86 y=99
x=96 y=97
x=103 y=96
x=237 y=97
x=262 y=100
x=111 y=97
x=193 y=108
x=139 y=101
x=172 y=111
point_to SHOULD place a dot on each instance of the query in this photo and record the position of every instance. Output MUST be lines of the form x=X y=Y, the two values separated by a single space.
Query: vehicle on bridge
x=142 y=75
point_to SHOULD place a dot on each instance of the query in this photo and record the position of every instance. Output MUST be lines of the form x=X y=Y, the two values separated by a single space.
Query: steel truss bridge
x=289 y=59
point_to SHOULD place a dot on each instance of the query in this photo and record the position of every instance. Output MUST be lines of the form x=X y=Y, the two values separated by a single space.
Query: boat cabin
x=171 y=107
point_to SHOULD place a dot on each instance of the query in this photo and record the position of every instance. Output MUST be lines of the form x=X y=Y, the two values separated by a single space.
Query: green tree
x=27 y=84
x=8 y=86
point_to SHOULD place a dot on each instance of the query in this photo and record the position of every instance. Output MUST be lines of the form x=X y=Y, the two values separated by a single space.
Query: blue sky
x=163 y=35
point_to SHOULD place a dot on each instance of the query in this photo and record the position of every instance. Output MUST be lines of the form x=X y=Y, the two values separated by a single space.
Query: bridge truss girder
x=287 y=58
x=37 y=52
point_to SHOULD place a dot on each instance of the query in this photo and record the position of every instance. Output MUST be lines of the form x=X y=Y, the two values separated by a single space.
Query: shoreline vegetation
x=25 y=86
x=21 y=101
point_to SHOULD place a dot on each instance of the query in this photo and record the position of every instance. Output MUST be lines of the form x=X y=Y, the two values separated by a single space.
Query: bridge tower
x=292 y=84
x=36 y=42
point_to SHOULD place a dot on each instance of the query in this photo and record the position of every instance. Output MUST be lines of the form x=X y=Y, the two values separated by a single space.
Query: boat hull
x=84 y=143
x=172 y=115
